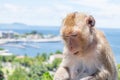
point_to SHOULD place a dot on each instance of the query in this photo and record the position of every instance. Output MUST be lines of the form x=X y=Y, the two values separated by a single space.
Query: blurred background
x=30 y=41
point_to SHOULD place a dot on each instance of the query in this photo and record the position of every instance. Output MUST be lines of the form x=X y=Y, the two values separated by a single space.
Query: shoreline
x=4 y=41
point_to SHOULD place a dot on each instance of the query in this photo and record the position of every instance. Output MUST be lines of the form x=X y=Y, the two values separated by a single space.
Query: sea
x=113 y=36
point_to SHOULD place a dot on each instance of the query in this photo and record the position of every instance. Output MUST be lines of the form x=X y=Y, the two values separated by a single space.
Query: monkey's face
x=77 y=31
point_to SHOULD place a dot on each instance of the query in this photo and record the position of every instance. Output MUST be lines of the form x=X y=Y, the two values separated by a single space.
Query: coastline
x=4 y=41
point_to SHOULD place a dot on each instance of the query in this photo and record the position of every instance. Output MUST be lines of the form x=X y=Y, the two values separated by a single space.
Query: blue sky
x=51 y=12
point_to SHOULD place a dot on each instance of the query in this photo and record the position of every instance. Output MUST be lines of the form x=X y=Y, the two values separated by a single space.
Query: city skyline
x=51 y=12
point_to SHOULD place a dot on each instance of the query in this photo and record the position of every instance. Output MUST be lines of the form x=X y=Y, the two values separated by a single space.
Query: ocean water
x=43 y=30
x=113 y=36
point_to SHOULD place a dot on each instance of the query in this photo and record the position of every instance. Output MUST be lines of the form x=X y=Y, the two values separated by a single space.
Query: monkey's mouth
x=76 y=52
x=73 y=51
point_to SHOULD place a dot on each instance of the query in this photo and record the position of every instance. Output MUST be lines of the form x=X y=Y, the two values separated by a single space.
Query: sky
x=51 y=12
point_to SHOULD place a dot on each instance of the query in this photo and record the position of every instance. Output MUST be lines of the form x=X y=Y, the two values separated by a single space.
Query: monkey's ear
x=90 y=21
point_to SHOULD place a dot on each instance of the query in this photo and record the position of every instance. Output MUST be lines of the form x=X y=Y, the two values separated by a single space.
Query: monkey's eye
x=65 y=36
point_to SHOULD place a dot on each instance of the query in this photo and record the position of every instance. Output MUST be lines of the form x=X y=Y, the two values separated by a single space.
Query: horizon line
x=20 y=23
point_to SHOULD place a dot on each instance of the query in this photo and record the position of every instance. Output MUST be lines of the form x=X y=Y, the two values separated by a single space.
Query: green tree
x=56 y=62
x=34 y=32
x=36 y=71
x=46 y=76
x=18 y=74
x=27 y=61
x=44 y=55
x=16 y=36
x=1 y=75
x=1 y=49
x=41 y=57
x=7 y=58
x=58 y=52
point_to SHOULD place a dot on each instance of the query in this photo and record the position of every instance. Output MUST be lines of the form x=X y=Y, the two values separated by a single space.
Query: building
x=7 y=34
x=34 y=36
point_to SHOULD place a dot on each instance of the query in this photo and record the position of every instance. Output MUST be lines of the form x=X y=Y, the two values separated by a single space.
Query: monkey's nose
x=71 y=48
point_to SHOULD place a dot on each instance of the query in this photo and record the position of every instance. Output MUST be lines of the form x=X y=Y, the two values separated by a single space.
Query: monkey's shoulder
x=100 y=34
x=101 y=39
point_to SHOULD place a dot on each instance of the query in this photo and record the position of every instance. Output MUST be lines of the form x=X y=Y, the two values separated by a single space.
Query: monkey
x=87 y=54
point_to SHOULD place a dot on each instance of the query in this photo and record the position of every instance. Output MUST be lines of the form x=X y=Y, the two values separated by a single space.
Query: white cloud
x=105 y=12
x=13 y=8
x=102 y=6
x=89 y=3
x=10 y=7
x=43 y=10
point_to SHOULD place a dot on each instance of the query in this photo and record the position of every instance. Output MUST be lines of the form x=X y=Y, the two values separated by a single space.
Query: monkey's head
x=77 y=31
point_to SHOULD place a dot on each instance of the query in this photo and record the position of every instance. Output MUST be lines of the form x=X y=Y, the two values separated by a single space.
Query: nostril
x=71 y=48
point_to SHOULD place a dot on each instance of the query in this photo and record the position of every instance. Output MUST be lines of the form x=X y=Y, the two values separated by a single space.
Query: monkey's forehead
x=72 y=18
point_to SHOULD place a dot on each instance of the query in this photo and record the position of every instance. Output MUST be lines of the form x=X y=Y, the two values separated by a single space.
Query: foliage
x=58 y=52
x=41 y=58
x=23 y=36
x=36 y=71
x=118 y=71
x=26 y=61
x=1 y=75
x=44 y=55
x=29 y=61
x=16 y=36
x=18 y=74
x=7 y=58
x=1 y=65
x=38 y=68
x=54 y=64
x=1 y=49
x=50 y=54
x=46 y=76
x=34 y=32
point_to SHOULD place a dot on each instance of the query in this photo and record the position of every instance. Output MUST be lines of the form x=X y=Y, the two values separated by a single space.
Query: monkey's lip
x=75 y=52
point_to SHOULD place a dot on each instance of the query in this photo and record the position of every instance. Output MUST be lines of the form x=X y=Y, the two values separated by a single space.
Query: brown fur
x=87 y=53
x=69 y=21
